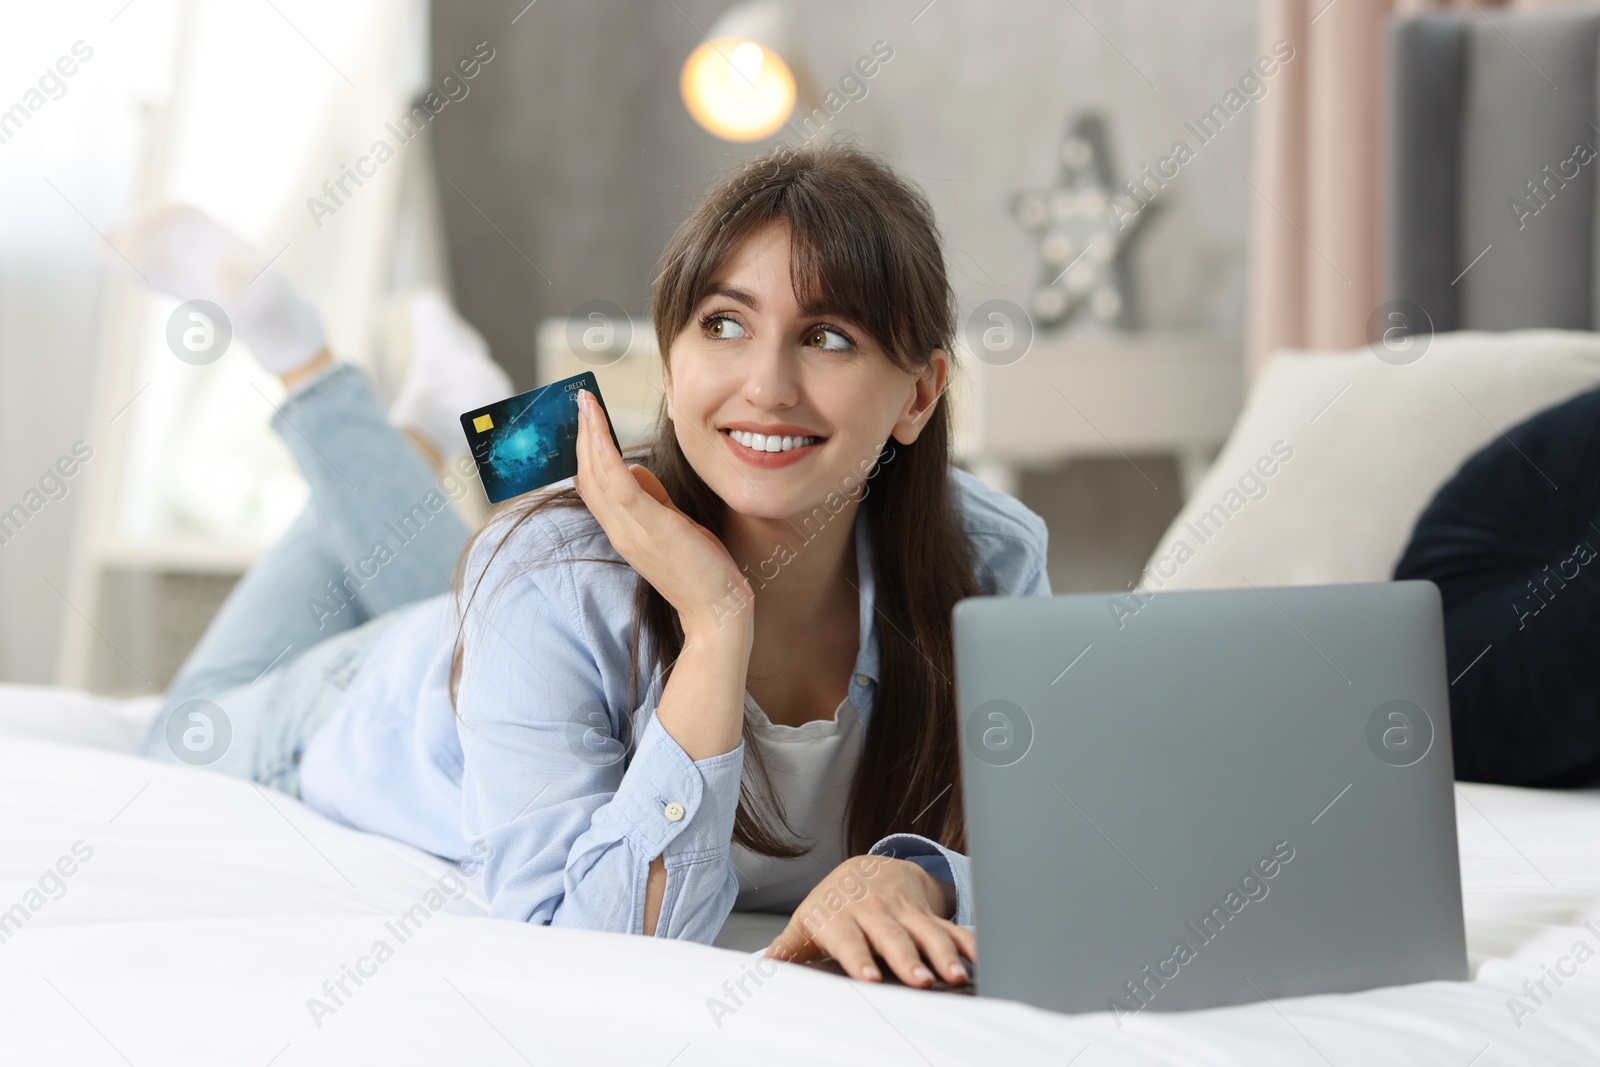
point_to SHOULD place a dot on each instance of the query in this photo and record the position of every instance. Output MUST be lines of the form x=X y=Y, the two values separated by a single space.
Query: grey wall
x=576 y=145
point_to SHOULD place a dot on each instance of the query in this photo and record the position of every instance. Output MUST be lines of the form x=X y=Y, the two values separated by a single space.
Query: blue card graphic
x=530 y=440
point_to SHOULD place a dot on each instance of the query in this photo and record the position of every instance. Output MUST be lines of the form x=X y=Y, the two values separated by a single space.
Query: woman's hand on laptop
x=891 y=907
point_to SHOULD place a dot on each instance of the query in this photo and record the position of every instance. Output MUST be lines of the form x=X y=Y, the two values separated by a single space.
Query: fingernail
x=870 y=973
x=922 y=974
x=957 y=970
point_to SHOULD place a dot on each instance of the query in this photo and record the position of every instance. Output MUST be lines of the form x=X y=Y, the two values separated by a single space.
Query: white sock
x=180 y=250
x=450 y=372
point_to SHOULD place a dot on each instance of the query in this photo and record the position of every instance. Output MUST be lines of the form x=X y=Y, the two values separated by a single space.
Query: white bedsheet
x=211 y=911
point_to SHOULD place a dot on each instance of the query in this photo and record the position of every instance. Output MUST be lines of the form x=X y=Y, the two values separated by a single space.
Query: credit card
x=529 y=440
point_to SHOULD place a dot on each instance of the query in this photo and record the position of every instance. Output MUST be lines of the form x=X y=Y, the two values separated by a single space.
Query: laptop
x=1191 y=799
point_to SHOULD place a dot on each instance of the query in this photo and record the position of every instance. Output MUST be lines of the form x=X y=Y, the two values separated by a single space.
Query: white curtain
x=67 y=167
x=244 y=109
x=251 y=137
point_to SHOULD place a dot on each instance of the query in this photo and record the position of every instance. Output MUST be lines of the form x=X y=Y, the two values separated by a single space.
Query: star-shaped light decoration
x=1083 y=245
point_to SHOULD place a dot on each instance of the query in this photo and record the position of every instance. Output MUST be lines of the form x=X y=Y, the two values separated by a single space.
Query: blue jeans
x=273 y=664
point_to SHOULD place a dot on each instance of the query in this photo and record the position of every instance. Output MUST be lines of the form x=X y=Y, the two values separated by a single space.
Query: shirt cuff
x=675 y=807
x=938 y=861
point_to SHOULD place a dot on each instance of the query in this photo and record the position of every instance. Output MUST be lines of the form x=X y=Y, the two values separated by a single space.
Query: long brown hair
x=864 y=244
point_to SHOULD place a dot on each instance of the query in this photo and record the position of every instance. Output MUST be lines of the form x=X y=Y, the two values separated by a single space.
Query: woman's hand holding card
x=682 y=560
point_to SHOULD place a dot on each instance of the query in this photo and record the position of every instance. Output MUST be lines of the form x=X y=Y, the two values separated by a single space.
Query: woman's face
x=751 y=361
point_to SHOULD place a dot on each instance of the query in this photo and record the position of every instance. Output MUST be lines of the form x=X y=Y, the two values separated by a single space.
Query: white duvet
x=158 y=915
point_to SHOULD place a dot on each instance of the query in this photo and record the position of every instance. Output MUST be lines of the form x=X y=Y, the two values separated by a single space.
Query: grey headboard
x=1478 y=109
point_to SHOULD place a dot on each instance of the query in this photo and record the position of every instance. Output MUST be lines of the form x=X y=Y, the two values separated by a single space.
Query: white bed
x=211 y=911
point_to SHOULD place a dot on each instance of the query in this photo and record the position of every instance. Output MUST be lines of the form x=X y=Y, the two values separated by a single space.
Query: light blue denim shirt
x=532 y=777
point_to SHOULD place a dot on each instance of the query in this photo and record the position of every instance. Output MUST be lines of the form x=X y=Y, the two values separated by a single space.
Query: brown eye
x=827 y=338
x=721 y=328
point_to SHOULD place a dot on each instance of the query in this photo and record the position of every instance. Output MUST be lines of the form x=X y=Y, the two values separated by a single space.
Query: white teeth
x=771 y=442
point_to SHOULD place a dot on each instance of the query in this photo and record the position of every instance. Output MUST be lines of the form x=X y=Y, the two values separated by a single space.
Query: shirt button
x=673 y=811
x=862 y=679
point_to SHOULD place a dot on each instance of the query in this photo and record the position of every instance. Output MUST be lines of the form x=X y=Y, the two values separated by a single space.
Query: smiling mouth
x=773 y=442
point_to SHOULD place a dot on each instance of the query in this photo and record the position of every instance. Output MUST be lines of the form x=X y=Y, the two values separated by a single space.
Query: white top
x=811 y=766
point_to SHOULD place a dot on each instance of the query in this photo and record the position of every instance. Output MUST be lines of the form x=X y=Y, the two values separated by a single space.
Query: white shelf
x=1100 y=394
x=191 y=554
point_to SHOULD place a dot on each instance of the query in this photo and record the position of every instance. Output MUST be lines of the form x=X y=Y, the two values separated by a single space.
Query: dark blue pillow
x=1513 y=543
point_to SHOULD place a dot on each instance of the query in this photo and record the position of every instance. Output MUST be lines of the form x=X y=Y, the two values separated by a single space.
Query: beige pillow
x=1336 y=454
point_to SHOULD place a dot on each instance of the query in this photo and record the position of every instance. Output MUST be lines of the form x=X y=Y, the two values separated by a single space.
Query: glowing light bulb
x=737 y=90
x=744 y=65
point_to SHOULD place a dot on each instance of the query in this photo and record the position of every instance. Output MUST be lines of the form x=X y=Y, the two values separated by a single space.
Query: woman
x=718 y=677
